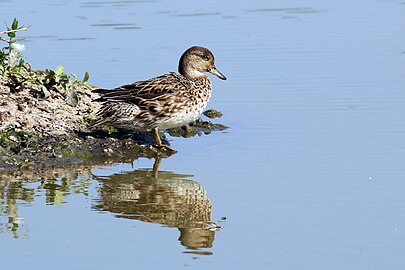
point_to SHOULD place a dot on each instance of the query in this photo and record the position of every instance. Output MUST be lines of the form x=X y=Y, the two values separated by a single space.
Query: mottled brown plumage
x=163 y=102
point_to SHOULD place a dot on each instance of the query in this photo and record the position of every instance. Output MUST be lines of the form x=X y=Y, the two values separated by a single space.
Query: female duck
x=163 y=102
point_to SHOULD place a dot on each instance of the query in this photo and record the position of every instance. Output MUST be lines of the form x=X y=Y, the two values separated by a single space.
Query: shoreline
x=38 y=128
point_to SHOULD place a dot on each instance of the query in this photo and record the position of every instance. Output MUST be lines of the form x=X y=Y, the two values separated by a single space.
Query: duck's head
x=197 y=60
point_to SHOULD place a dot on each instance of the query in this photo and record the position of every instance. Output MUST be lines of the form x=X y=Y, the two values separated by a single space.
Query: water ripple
x=287 y=10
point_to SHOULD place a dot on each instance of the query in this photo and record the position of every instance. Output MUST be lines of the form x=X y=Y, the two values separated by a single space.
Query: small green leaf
x=74 y=77
x=59 y=70
x=14 y=25
x=86 y=77
x=21 y=63
x=11 y=35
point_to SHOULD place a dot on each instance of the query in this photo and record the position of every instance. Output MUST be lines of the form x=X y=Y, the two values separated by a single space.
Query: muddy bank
x=41 y=126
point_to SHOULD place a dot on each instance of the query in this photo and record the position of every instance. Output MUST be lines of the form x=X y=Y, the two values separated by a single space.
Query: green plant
x=11 y=60
x=59 y=78
x=12 y=66
x=82 y=82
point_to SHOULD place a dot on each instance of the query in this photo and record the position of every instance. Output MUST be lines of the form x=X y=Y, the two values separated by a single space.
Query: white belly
x=183 y=117
x=179 y=119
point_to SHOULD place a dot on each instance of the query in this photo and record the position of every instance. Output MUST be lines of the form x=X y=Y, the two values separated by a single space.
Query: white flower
x=19 y=47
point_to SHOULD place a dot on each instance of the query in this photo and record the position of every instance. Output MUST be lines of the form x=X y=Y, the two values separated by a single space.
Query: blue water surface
x=310 y=174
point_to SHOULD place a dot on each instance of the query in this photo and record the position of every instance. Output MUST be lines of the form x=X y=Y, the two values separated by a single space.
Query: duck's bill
x=215 y=72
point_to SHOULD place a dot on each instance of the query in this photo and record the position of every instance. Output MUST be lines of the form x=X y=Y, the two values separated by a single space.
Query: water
x=309 y=175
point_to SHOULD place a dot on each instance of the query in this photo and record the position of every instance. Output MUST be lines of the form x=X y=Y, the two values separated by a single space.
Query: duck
x=164 y=102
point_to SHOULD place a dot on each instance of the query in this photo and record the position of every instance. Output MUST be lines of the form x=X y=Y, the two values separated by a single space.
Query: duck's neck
x=189 y=72
x=192 y=74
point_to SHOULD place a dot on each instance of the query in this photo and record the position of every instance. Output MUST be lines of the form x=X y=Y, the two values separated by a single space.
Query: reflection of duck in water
x=161 y=197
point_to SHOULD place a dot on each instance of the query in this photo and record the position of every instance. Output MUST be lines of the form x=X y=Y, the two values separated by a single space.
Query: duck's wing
x=167 y=84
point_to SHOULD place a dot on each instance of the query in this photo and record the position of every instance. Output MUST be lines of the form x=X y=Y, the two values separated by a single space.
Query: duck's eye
x=206 y=58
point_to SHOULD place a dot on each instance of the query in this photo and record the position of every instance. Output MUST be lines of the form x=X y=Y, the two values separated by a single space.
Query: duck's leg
x=159 y=143
x=156 y=165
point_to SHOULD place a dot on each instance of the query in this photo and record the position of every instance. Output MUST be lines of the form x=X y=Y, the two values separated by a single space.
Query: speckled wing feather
x=136 y=92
